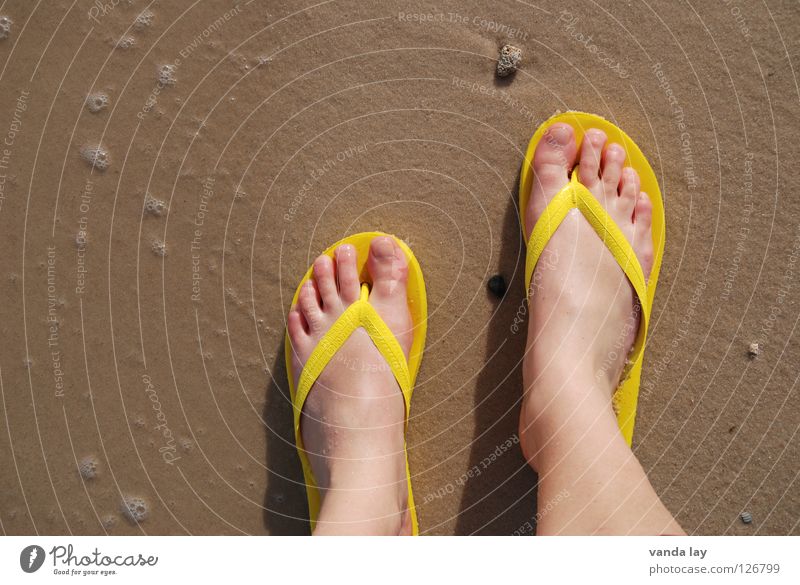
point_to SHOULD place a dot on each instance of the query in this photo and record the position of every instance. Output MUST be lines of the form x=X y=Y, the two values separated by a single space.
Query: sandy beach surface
x=168 y=170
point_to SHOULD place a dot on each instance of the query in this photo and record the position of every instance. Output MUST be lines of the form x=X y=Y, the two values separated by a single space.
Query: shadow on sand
x=500 y=498
x=285 y=507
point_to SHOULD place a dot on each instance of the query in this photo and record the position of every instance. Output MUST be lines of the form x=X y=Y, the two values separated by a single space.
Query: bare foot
x=583 y=321
x=583 y=311
x=353 y=419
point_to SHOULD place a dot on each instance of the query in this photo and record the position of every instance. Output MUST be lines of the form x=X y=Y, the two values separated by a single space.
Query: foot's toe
x=554 y=157
x=613 y=160
x=347 y=272
x=326 y=282
x=388 y=267
x=552 y=163
x=591 y=154
x=296 y=326
x=642 y=236
x=309 y=304
x=643 y=215
x=629 y=191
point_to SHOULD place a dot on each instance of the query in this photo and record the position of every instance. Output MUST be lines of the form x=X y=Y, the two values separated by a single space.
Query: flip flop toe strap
x=359 y=314
x=575 y=195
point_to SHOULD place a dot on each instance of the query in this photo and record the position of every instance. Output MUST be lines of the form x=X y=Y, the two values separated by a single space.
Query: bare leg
x=583 y=310
x=353 y=418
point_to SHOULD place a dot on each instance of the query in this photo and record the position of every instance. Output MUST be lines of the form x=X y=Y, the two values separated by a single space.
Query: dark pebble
x=497 y=286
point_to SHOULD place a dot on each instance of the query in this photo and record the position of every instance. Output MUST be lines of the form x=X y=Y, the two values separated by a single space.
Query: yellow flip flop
x=362 y=314
x=576 y=195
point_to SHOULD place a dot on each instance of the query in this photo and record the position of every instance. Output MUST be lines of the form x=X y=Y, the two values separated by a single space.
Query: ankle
x=562 y=414
x=390 y=525
x=563 y=379
x=362 y=509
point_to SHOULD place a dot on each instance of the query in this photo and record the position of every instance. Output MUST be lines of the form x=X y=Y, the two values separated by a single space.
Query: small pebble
x=159 y=248
x=96 y=102
x=144 y=20
x=154 y=206
x=746 y=517
x=497 y=286
x=88 y=468
x=126 y=42
x=166 y=74
x=507 y=63
x=135 y=509
x=96 y=156
x=5 y=27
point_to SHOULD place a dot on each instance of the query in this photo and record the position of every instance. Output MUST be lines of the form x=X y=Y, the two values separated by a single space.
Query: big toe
x=389 y=269
x=554 y=158
x=553 y=161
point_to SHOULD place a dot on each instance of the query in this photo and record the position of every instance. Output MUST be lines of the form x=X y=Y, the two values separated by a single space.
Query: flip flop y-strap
x=359 y=314
x=575 y=195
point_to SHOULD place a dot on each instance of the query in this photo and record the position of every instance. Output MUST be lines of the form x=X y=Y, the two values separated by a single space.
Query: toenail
x=616 y=150
x=383 y=248
x=560 y=134
x=344 y=251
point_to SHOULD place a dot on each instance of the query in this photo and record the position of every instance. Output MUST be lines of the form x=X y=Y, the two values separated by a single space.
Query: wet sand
x=143 y=342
